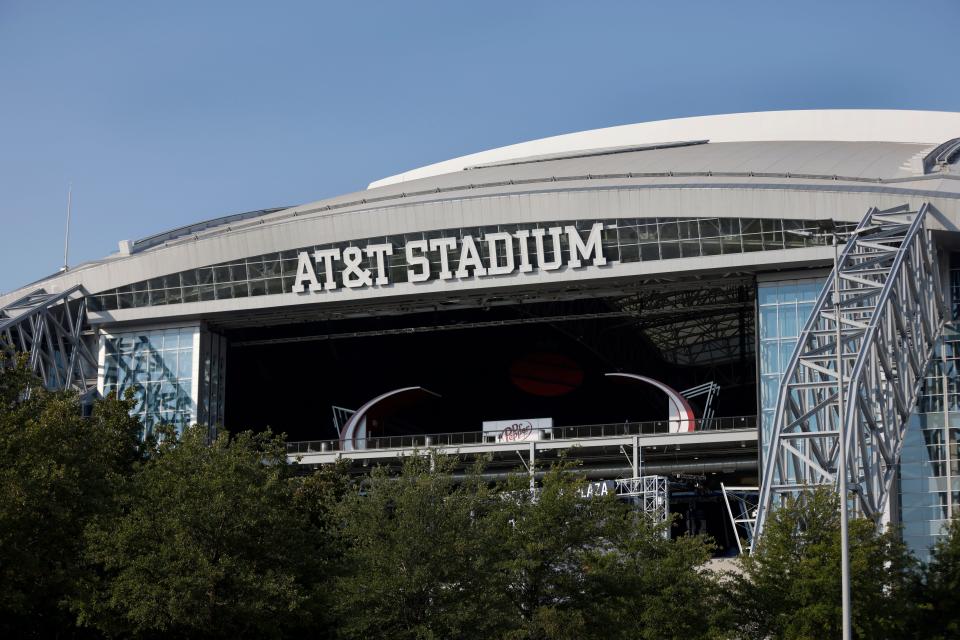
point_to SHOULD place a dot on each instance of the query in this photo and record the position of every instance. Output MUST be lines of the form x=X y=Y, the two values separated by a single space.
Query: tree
x=554 y=535
x=939 y=617
x=417 y=555
x=642 y=585
x=578 y=567
x=791 y=583
x=58 y=471
x=206 y=543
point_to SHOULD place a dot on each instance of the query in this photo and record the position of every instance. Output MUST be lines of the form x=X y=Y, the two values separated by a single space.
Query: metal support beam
x=51 y=328
x=855 y=376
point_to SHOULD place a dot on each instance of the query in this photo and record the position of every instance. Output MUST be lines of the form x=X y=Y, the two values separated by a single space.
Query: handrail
x=575 y=432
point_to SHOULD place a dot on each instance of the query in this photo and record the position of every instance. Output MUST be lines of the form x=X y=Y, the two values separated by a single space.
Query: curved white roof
x=836 y=125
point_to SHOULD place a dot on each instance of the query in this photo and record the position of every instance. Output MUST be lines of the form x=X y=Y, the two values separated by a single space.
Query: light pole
x=828 y=229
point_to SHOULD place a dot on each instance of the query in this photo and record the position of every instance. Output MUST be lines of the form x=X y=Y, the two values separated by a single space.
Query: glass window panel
x=221 y=274
x=668 y=231
x=139 y=295
x=732 y=244
x=767 y=294
x=289 y=267
x=709 y=228
x=238 y=272
x=627 y=235
x=803 y=313
x=254 y=270
x=271 y=267
x=788 y=321
x=258 y=287
x=224 y=291
x=769 y=356
x=768 y=322
x=752 y=242
x=669 y=250
x=749 y=226
x=729 y=227
x=158 y=296
x=688 y=229
x=189 y=277
x=274 y=285
x=171 y=339
x=647 y=233
x=690 y=248
x=809 y=291
x=786 y=351
x=630 y=253
x=649 y=251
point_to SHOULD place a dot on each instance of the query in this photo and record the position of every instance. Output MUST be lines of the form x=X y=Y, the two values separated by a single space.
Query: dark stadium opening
x=496 y=363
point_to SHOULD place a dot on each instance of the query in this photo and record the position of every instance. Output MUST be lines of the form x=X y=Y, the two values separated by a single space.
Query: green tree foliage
x=206 y=543
x=184 y=537
x=646 y=586
x=428 y=556
x=939 y=611
x=597 y=568
x=791 y=584
x=418 y=555
x=58 y=471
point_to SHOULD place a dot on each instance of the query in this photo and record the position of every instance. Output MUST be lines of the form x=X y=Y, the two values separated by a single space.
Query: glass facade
x=783 y=307
x=930 y=461
x=161 y=368
x=625 y=240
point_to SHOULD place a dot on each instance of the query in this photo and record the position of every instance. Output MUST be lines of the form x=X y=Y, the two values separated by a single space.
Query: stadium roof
x=836 y=125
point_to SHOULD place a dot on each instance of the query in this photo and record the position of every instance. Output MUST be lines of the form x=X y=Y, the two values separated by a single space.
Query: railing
x=466 y=438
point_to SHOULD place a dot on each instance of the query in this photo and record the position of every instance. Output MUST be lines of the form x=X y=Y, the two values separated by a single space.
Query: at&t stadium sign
x=507 y=253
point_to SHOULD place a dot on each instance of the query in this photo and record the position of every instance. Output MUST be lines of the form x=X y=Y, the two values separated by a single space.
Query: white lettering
x=380 y=250
x=421 y=260
x=521 y=236
x=495 y=268
x=592 y=246
x=541 y=253
x=470 y=258
x=353 y=275
x=444 y=244
x=356 y=264
x=305 y=271
x=327 y=256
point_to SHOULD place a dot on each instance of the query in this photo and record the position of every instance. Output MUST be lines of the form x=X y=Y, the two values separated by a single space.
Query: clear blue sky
x=165 y=113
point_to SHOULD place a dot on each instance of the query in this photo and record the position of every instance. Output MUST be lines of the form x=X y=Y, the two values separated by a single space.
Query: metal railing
x=466 y=438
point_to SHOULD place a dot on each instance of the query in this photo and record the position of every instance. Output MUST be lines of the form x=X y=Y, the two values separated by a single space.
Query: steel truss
x=650 y=494
x=52 y=329
x=741 y=503
x=700 y=323
x=891 y=315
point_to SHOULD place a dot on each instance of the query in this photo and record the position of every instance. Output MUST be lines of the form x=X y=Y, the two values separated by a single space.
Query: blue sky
x=167 y=113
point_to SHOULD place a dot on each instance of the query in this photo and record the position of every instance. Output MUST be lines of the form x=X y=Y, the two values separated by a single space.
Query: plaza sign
x=506 y=253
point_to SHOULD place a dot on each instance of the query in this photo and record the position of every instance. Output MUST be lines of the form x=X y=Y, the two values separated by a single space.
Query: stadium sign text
x=506 y=254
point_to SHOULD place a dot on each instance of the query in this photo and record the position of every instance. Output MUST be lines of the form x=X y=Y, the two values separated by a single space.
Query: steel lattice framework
x=651 y=495
x=890 y=315
x=52 y=329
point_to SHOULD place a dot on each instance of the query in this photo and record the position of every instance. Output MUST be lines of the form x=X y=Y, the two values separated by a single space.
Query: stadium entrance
x=500 y=361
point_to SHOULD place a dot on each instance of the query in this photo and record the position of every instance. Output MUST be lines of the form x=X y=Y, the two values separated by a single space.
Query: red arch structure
x=681 y=417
